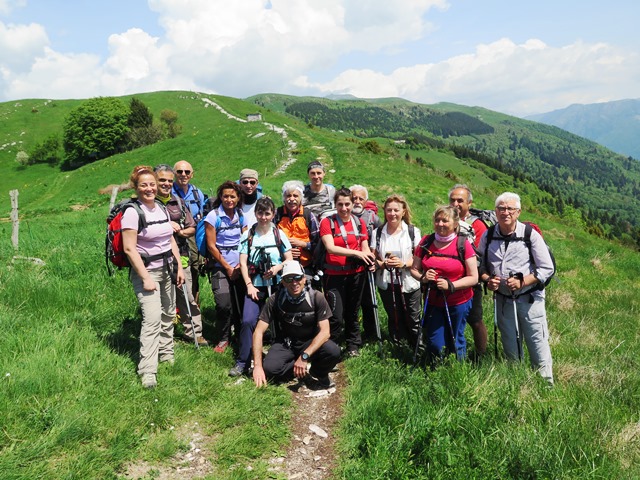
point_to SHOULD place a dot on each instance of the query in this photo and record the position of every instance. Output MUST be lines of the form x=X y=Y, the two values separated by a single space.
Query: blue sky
x=513 y=56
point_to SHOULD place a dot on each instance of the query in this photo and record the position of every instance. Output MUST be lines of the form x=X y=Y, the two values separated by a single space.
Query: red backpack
x=114 y=246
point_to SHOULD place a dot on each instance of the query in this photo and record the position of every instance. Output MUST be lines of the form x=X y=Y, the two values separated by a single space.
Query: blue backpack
x=201 y=237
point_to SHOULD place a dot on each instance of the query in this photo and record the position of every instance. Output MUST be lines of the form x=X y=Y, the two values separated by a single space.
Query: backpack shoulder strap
x=142 y=220
x=412 y=234
x=461 y=248
x=306 y=214
x=425 y=243
x=279 y=215
x=278 y=239
x=379 y=235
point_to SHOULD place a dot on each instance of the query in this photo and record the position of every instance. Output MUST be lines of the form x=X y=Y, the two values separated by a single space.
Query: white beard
x=357 y=209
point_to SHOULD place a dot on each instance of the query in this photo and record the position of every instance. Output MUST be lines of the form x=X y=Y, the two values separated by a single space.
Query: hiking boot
x=168 y=359
x=221 y=346
x=149 y=380
x=202 y=342
x=353 y=352
x=318 y=383
x=325 y=382
x=237 y=371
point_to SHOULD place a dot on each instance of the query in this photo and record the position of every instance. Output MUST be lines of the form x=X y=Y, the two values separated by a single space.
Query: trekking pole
x=193 y=327
x=421 y=325
x=374 y=304
x=453 y=335
x=515 y=319
x=495 y=320
x=393 y=297
x=404 y=302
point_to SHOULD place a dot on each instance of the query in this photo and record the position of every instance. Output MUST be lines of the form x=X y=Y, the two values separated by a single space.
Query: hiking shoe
x=318 y=383
x=221 y=346
x=149 y=380
x=167 y=359
x=237 y=371
x=202 y=342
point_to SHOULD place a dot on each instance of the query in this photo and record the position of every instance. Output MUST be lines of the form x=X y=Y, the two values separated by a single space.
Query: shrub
x=22 y=158
x=48 y=151
x=170 y=119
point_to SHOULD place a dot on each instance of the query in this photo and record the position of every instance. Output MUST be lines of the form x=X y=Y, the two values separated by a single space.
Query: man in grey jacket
x=517 y=275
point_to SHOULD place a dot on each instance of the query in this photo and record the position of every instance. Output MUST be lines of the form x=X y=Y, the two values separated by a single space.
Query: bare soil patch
x=312 y=455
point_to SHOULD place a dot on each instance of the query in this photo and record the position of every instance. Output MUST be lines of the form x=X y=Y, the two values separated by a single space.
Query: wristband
x=450 y=285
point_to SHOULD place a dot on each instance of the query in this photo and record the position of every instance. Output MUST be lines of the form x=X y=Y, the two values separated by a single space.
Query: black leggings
x=344 y=294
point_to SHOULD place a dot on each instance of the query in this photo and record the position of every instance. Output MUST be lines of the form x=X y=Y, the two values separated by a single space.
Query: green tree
x=142 y=132
x=94 y=130
x=140 y=115
x=170 y=119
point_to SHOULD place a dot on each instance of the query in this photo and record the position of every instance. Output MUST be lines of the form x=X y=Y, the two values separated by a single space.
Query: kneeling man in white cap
x=300 y=319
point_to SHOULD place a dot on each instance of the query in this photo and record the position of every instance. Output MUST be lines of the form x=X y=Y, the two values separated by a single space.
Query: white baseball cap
x=291 y=267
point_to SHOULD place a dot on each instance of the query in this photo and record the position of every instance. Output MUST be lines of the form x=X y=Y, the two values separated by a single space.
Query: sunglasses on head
x=292 y=278
x=186 y=172
x=249 y=182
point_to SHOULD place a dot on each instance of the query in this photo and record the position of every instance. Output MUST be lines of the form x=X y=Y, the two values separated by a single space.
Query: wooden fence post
x=114 y=195
x=14 y=219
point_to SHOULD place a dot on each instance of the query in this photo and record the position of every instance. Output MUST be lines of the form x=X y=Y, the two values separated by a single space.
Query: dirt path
x=312 y=454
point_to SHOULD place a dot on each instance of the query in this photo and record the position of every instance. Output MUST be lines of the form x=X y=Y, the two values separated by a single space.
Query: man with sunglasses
x=299 y=316
x=183 y=228
x=516 y=269
x=193 y=197
x=250 y=194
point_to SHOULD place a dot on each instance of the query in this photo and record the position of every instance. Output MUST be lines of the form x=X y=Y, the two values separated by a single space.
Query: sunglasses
x=249 y=182
x=293 y=278
x=186 y=172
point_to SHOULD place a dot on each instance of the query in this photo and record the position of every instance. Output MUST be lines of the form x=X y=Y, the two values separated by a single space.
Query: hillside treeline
x=603 y=186
x=374 y=121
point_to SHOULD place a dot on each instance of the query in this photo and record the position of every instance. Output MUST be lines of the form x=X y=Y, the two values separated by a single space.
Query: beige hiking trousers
x=158 y=311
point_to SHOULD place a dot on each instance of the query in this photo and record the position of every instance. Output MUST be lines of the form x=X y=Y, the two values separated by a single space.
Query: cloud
x=504 y=76
x=291 y=46
x=6 y=6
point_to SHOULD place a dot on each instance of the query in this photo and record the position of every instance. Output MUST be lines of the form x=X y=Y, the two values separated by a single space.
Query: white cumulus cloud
x=294 y=46
x=504 y=76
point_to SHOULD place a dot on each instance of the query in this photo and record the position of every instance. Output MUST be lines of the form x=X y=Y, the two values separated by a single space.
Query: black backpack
x=427 y=240
x=526 y=238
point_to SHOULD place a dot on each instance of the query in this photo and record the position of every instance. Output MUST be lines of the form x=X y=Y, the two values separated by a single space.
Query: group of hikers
x=295 y=276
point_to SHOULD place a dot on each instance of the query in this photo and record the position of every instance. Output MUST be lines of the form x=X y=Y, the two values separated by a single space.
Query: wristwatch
x=305 y=356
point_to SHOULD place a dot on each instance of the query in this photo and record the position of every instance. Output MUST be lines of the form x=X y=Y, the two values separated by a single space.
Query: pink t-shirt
x=154 y=239
x=448 y=266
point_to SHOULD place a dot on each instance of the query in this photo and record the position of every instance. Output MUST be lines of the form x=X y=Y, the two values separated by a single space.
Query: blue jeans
x=438 y=332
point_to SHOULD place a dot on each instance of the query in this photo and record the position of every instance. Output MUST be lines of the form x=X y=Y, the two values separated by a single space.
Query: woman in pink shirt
x=151 y=252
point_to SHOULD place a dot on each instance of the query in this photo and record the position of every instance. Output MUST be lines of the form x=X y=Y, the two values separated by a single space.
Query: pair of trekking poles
x=416 y=357
x=374 y=302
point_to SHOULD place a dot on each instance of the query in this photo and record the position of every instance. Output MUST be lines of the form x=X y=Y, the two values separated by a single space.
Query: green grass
x=73 y=407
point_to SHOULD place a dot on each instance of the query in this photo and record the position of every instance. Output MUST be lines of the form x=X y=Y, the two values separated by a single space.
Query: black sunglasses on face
x=292 y=278
x=186 y=172
x=249 y=182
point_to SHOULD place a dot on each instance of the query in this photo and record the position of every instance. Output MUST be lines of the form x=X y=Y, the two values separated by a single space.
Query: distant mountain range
x=616 y=125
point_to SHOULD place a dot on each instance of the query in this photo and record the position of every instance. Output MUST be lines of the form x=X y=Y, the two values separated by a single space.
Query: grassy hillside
x=73 y=407
x=603 y=185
